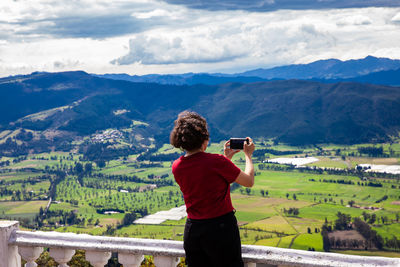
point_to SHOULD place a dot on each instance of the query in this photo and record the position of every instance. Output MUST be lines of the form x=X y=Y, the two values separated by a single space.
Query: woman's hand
x=249 y=148
x=246 y=177
x=228 y=152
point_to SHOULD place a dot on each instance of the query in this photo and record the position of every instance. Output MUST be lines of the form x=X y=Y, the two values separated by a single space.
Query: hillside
x=387 y=77
x=182 y=79
x=297 y=112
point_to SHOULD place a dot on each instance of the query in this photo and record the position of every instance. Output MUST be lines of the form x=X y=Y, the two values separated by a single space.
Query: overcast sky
x=178 y=36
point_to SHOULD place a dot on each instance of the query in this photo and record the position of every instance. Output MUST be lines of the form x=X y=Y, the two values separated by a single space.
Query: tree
x=248 y=190
x=78 y=168
x=296 y=211
x=343 y=221
x=287 y=195
x=351 y=203
x=88 y=167
x=101 y=164
x=294 y=197
x=262 y=192
x=365 y=215
x=372 y=219
x=325 y=239
x=309 y=230
x=128 y=219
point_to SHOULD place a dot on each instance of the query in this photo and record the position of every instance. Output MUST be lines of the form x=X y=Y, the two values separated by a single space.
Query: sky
x=178 y=36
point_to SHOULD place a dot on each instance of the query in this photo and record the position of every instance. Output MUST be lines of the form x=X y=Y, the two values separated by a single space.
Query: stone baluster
x=165 y=261
x=62 y=256
x=130 y=260
x=30 y=254
x=9 y=256
x=97 y=258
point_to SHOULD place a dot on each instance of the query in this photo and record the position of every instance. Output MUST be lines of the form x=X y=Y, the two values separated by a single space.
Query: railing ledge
x=98 y=243
x=294 y=257
x=250 y=253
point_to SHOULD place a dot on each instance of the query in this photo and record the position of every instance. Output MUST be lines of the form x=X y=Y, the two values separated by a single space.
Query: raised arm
x=246 y=177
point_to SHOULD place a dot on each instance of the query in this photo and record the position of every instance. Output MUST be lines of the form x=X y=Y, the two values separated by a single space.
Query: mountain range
x=370 y=69
x=76 y=104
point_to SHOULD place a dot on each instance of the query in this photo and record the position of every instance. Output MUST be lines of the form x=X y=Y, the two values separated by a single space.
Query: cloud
x=354 y=20
x=62 y=64
x=243 y=39
x=158 y=13
x=77 y=19
x=272 y=5
x=96 y=27
x=152 y=36
x=396 y=18
x=149 y=50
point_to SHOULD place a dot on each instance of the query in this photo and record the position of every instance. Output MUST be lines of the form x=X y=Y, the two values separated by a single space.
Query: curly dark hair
x=190 y=131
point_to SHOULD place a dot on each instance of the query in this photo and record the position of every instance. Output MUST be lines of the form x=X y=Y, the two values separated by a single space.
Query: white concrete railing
x=15 y=244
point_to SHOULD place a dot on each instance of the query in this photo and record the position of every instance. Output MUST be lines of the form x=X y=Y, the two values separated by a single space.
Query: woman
x=211 y=235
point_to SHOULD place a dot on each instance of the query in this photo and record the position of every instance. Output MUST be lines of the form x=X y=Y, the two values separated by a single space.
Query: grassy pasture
x=285 y=241
x=301 y=224
x=9 y=205
x=271 y=242
x=305 y=241
x=259 y=217
x=82 y=230
x=12 y=176
x=329 y=211
x=388 y=230
x=376 y=161
x=21 y=209
x=153 y=231
x=168 y=149
x=27 y=207
x=44 y=186
x=329 y=163
x=245 y=217
x=273 y=224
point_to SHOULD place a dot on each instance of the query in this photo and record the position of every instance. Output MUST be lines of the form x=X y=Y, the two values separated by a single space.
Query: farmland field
x=96 y=200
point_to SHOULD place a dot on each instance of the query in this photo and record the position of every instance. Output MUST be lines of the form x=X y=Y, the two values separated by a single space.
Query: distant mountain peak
x=321 y=69
x=327 y=69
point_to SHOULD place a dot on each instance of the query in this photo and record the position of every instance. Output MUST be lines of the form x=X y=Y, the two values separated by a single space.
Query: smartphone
x=237 y=143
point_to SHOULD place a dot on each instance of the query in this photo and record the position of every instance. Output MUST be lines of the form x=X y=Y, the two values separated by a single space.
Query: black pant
x=213 y=242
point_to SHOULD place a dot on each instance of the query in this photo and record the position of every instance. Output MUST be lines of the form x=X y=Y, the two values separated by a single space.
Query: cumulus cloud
x=149 y=50
x=260 y=38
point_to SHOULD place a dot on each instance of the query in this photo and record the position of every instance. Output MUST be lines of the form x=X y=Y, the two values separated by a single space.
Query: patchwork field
x=81 y=201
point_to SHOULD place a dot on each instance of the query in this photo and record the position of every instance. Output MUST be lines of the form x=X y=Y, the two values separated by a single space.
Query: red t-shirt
x=205 y=180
